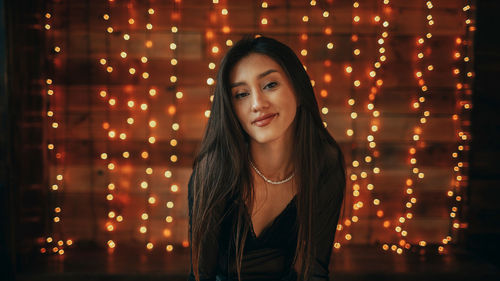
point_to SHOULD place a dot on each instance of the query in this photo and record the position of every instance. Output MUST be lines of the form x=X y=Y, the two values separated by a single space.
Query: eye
x=240 y=95
x=271 y=85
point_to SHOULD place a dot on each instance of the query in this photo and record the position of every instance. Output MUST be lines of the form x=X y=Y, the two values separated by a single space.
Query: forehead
x=251 y=66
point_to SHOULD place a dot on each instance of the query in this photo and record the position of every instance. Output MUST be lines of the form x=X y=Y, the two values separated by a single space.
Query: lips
x=265 y=119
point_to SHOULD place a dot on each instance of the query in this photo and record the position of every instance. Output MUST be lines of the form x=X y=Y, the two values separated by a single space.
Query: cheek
x=240 y=114
x=288 y=103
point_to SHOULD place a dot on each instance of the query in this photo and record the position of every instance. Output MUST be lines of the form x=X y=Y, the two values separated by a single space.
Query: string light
x=110 y=224
x=55 y=149
x=416 y=175
x=140 y=98
x=264 y=20
x=459 y=157
x=374 y=125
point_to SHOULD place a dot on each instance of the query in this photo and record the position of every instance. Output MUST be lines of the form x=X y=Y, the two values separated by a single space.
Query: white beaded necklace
x=268 y=180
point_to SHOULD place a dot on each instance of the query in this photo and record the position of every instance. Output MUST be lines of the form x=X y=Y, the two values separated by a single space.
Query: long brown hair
x=221 y=170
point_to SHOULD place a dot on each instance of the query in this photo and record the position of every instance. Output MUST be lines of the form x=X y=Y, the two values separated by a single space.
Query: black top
x=270 y=256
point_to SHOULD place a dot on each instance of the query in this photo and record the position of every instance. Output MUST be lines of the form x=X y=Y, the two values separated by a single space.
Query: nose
x=259 y=101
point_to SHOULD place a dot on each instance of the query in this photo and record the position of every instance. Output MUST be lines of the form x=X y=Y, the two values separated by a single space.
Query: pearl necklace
x=268 y=180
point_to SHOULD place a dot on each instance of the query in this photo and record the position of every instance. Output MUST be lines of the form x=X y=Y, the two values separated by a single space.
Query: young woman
x=269 y=181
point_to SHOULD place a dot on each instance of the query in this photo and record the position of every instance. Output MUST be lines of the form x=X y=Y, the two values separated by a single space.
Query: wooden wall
x=79 y=29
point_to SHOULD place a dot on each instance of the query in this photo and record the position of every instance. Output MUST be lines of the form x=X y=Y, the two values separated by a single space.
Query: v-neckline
x=270 y=224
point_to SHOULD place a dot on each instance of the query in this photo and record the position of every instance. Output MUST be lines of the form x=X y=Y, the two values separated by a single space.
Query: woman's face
x=259 y=89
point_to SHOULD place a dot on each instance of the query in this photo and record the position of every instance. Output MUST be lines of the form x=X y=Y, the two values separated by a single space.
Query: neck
x=273 y=159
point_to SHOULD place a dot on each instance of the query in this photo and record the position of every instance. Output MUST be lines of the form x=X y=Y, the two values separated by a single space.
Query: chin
x=264 y=138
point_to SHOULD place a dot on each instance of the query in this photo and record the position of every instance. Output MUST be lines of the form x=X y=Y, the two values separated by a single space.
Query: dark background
x=476 y=259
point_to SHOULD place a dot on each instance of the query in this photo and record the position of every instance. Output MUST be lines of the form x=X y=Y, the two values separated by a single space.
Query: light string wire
x=56 y=150
x=106 y=94
x=151 y=123
x=175 y=99
x=382 y=18
x=373 y=116
x=463 y=71
x=420 y=109
x=374 y=86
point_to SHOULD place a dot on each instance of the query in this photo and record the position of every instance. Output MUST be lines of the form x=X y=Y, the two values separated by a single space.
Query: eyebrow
x=263 y=74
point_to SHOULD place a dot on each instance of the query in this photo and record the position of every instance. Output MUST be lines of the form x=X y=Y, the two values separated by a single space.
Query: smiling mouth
x=264 y=122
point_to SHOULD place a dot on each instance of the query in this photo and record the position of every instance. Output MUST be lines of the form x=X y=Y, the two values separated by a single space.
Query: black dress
x=270 y=255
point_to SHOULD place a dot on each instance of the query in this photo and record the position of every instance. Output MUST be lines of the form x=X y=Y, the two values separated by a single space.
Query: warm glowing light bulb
x=173 y=142
x=174 y=159
x=168 y=174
